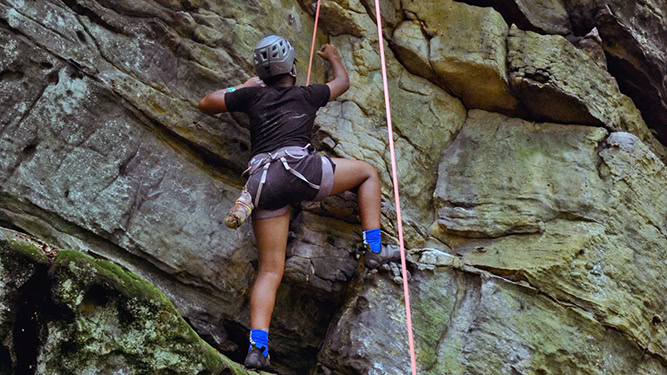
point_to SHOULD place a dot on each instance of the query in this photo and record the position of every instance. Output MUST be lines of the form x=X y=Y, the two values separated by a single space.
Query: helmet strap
x=293 y=72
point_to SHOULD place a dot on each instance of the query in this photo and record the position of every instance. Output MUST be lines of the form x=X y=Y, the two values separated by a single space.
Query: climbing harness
x=393 y=171
x=264 y=161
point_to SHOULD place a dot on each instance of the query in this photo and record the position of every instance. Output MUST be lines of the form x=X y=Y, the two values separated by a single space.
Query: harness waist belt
x=264 y=160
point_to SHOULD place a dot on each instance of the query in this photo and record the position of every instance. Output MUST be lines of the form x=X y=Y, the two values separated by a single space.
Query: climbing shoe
x=389 y=253
x=256 y=359
x=241 y=210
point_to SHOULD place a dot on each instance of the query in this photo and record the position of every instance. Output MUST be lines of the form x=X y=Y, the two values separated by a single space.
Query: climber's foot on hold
x=378 y=254
x=388 y=253
x=256 y=359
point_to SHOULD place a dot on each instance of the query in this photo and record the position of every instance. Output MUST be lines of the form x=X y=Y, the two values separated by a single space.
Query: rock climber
x=284 y=169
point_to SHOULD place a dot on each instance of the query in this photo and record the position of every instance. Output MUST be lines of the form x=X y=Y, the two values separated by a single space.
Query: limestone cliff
x=530 y=164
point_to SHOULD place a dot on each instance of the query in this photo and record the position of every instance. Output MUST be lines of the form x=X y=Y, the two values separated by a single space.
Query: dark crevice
x=30 y=326
x=11 y=75
x=124 y=166
x=5 y=362
x=53 y=77
x=237 y=334
x=94 y=17
x=81 y=37
x=507 y=9
x=29 y=151
x=636 y=85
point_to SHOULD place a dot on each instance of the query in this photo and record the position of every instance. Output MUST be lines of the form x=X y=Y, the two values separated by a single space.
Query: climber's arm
x=214 y=102
x=341 y=81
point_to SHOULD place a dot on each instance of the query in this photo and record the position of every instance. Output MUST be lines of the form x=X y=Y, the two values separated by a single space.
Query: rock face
x=473 y=64
x=542 y=16
x=533 y=191
x=468 y=321
x=634 y=35
x=87 y=316
x=19 y=265
x=531 y=208
x=565 y=85
x=531 y=175
x=465 y=60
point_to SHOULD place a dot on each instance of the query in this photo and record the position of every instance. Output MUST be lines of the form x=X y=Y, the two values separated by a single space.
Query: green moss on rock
x=120 y=322
x=14 y=247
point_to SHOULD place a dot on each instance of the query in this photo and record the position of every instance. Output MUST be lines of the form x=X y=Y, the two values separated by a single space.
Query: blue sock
x=373 y=239
x=260 y=338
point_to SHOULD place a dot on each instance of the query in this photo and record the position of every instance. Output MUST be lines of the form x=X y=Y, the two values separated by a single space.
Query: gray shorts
x=282 y=188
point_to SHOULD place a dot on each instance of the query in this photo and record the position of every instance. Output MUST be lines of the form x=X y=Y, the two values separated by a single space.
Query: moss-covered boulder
x=116 y=322
x=73 y=314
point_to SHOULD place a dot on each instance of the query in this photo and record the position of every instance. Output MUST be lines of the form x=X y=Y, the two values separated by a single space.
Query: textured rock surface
x=413 y=48
x=579 y=192
x=467 y=321
x=87 y=316
x=634 y=35
x=542 y=16
x=466 y=50
x=120 y=323
x=536 y=248
x=472 y=62
x=549 y=171
x=424 y=124
x=561 y=83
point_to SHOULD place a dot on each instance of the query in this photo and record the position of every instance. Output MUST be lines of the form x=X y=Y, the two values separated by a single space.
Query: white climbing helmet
x=274 y=55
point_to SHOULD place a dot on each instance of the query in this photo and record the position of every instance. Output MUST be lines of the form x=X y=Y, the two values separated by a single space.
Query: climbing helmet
x=273 y=55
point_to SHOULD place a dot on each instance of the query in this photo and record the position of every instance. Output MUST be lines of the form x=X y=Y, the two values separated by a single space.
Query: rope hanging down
x=312 y=45
x=393 y=170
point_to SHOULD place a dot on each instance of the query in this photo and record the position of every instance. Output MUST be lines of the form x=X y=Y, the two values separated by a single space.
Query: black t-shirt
x=279 y=116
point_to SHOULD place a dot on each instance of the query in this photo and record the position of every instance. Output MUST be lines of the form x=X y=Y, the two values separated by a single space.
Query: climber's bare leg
x=351 y=174
x=271 y=235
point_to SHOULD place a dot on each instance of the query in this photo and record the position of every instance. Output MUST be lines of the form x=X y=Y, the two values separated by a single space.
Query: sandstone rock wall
x=530 y=167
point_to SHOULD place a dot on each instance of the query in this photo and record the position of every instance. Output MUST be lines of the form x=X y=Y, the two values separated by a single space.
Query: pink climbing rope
x=396 y=195
x=393 y=171
x=312 y=46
